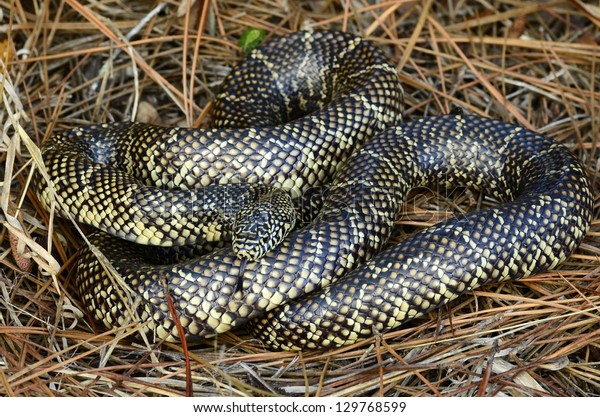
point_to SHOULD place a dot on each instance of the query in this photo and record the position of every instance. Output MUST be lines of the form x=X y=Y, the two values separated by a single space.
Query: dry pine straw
x=536 y=64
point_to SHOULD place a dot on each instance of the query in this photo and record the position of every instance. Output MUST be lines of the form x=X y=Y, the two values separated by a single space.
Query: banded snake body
x=317 y=114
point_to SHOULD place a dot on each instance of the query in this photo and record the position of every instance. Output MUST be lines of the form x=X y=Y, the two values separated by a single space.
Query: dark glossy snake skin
x=547 y=209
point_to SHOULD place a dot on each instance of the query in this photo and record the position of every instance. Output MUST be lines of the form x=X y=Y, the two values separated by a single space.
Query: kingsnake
x=316 y=114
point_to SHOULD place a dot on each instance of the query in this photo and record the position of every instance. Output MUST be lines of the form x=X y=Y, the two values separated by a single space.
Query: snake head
x=262 y=224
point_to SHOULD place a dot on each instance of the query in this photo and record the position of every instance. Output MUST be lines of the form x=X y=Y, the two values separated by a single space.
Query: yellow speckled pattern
x=546 y=212
x=546 y=209
x=165 y=186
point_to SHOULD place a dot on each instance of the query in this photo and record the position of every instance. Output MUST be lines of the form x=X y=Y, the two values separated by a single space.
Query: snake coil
x=328 y=131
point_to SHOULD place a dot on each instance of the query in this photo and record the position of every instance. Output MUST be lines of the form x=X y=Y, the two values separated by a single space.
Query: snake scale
x=318 y=115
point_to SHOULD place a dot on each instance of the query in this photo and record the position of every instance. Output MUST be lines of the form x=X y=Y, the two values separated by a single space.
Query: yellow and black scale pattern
x=339 y=92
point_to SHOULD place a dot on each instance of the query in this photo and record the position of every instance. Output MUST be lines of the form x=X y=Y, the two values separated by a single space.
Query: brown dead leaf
x=147 y=113
x=517 y=28
x=20 y=252
x=6 y=51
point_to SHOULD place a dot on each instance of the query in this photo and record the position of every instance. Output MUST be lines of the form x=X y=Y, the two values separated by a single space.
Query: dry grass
x=537 y=64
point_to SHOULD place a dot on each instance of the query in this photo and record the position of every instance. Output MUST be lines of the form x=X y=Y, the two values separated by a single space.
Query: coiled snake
x=317 y=114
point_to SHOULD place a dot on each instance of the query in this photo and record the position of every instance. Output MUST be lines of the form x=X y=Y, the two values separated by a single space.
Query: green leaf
x=251 y=38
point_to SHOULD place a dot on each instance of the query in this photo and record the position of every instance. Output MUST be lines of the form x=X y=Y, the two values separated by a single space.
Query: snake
x=311 y=120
